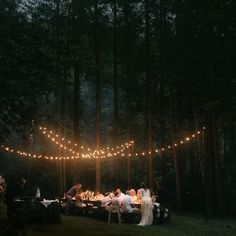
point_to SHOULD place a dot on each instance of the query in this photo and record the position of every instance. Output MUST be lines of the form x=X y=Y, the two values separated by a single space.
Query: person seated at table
x=126 y=203
x=132 y=194
x=138 y=197
x=119 y=195
x=70 y=194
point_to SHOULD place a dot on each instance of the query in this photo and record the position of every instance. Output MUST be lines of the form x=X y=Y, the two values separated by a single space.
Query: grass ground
x=180 y=225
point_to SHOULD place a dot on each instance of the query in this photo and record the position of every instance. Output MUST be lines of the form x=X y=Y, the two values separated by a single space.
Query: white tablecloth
x=46 y=203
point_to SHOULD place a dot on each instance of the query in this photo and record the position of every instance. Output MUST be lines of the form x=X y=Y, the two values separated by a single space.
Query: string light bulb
x=102 y=153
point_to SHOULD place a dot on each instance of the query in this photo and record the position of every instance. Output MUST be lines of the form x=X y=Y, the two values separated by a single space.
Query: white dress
x=146 y=208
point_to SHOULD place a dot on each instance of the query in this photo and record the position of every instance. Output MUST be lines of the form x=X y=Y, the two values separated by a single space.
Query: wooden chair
x=114 y=209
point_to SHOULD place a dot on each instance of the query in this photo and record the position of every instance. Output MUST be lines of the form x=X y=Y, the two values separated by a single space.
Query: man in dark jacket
x=15 y=190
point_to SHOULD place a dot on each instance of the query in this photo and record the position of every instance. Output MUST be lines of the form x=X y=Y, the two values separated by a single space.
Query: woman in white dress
x=146 y=206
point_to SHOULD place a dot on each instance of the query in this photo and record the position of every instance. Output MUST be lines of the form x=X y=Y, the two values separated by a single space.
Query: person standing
x=16 y=190
x=73 y=192
x=146 y=206
x=3 y=187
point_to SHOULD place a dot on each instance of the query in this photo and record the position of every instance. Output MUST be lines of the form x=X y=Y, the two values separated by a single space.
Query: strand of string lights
x=182 y=141
x=21 y=153
x=68 y=145
x=102 y=155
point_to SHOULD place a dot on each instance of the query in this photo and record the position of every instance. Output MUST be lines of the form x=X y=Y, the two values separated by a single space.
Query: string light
x=106 y=152
x=40 y=156
x=32 y=155
x=63 y=144
x=176 y=144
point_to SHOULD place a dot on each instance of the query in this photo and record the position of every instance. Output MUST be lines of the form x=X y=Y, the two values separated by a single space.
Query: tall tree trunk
x=178 y=180
x=201 y=157
x=76 y=118
x=148 y=94
x=115 y=90
x=30 y=144
x=128 y=83
x=98 y=94
x=162 y=39
x=209 y=165
x=59 y=94
x=74 y=42
x=177 y=163
x=205 y=173
x=231 y=161
x=213 y=181
x=217 y=172
x=62 y=115
x=61 y=168
x=207 y=44
x=191 y=151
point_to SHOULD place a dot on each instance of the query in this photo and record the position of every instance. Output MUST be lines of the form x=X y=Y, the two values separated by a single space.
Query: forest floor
x=83 y=226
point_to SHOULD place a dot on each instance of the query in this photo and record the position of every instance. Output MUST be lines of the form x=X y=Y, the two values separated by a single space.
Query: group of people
x=126 y=202
x=143 y=197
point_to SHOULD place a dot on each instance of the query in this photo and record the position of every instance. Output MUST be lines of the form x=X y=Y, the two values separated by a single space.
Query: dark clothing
x=13 y=192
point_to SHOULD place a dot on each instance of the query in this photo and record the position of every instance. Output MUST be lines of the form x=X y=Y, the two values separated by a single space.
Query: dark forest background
x=104 y=72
